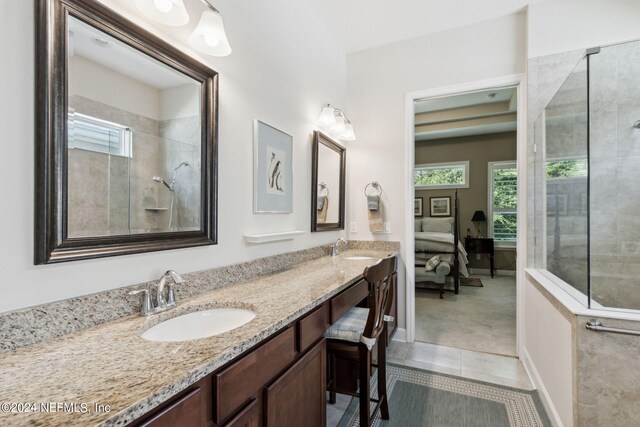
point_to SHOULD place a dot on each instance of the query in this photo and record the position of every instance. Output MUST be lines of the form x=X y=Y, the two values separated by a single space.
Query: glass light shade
x=327 y=117
x=339 y=126
x=209 y=36
x=167 y=12
x=348 y=134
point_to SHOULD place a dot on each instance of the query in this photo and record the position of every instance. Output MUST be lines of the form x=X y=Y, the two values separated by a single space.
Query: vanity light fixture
x=209 y=36
x=167 y=12
x=333 y=121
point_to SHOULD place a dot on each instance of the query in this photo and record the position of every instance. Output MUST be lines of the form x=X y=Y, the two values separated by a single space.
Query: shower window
x=566 y=168
x=101 y=136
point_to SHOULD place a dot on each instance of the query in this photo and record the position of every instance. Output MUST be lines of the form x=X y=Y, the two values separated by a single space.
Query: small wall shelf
x=272 y=237
x=156 y=209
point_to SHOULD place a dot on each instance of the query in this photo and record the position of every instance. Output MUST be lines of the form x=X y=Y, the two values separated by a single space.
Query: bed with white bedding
x=430 y=243
x=439 y=236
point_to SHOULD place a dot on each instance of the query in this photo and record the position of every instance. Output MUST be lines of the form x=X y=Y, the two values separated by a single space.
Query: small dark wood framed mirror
x=327 y=184
x=126 y=138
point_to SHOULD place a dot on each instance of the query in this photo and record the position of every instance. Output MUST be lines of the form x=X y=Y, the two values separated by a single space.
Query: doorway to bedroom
x=465 y=210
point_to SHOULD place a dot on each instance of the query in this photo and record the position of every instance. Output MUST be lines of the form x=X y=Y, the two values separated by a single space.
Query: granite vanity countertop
x=112 y=365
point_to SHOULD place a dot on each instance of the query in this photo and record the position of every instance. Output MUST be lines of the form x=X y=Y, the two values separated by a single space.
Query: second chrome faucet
x=162 y=303
x=335 y=250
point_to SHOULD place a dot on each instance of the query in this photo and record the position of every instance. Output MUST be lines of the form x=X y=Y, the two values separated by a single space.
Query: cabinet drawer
x=239 y=382
x=312 y=327
x=186 y=411
x=348 y=299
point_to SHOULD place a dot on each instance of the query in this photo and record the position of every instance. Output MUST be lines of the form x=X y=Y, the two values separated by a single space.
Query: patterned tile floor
x=502 y=370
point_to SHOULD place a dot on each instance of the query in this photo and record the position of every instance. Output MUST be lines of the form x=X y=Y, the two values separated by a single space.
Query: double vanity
x=257 y=373
x=245 y=345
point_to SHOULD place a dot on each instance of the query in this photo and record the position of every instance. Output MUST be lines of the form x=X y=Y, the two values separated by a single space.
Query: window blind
x=504 y=201
x=89 y=133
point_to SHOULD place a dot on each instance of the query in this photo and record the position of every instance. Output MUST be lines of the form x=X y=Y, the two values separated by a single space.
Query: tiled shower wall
x=181 y=141
x=604 y=381
x=615 y=176
x=109 y=193
x=104 y=188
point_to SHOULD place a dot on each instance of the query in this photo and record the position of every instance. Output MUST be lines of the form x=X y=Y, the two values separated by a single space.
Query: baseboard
x=534 y=376
x=400 y=335
x=486 y=272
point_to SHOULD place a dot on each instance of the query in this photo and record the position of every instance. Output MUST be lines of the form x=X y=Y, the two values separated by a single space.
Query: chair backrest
x=379 y=276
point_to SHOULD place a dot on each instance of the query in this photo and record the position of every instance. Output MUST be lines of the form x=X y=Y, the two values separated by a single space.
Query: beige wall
x=478 y=150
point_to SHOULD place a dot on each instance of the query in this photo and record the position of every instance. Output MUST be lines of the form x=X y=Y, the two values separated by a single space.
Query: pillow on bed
x=438 y=225
x=418 y=226
x=432 y=263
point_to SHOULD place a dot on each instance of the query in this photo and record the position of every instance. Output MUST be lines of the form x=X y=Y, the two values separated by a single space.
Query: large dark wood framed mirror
x=327 y=184
x=126 y=138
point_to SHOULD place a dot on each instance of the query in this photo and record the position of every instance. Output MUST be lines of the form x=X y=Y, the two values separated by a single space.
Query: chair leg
x=365 y=363
x=332 y=378
x=382 y=375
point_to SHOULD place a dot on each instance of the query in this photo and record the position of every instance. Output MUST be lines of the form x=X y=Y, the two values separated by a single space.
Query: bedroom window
x=503 y=203
x=566 y=168
x=93 y=134
x=441 y=175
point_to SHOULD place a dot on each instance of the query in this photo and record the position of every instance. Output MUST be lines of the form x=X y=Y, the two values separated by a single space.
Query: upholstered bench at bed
x=438 y=276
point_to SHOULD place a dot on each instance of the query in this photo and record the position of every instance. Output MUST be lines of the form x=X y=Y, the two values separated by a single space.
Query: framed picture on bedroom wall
x=417 y=206
x=440 y=206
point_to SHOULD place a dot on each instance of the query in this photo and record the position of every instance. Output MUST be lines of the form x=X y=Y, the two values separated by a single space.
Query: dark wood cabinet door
x=241 y=381
x=248 y=417
x=297 y=397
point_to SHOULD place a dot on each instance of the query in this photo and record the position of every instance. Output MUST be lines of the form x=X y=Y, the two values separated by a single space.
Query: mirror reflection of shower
x=171 y=187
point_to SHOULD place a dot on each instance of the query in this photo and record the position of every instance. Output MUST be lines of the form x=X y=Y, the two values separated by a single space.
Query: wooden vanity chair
x=354 y=336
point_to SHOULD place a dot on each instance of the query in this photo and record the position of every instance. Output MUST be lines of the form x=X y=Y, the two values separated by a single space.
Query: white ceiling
x=471 y=123
x=121 y=58
x=466 y=100
x=362 y=24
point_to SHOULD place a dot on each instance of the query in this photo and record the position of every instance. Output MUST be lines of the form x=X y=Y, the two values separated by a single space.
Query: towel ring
x=323 y=186
x=376 y=185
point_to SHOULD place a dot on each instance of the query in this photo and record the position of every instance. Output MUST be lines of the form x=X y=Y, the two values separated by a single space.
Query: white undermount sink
x=359 y=257
x=200 y=324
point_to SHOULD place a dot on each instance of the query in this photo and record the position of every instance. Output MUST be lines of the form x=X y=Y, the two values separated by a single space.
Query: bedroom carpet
x=423 y=398
x=481 y=319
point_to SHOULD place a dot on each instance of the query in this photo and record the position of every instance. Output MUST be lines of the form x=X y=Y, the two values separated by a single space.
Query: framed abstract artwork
x=273 y=169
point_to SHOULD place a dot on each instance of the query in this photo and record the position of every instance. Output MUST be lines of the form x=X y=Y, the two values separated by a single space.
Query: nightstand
x=481 y=246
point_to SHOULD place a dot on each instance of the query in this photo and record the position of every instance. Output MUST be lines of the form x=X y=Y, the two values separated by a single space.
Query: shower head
x=181 y=165
x=637 y=124
x=158 y=179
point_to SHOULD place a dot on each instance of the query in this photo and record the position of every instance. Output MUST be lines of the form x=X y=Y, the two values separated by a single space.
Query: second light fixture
x=336 y=124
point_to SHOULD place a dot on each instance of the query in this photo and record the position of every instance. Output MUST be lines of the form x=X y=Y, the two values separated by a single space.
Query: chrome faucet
x=335 y=250
x=170 y=301
x=162 y=303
